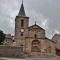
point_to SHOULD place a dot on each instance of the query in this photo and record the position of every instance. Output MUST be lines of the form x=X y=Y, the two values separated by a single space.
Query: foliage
x=2 y=36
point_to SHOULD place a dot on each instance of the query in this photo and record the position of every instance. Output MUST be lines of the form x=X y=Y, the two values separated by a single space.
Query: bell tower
x=21 y=26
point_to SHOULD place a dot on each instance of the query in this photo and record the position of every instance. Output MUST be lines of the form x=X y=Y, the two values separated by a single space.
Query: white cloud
x=56 y=31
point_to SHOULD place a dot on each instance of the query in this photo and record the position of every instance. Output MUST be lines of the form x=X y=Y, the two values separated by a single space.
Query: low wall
x=10 y=51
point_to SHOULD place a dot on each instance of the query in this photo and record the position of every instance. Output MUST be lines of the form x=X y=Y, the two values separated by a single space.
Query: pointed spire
x=22 y=11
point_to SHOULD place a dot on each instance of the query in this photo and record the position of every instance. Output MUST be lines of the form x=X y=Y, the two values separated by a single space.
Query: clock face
x=22 y=30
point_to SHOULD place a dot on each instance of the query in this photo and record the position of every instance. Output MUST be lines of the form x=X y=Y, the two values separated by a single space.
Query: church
x=31 y=38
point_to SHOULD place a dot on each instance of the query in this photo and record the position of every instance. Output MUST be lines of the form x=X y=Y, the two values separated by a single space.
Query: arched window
x=22 y=23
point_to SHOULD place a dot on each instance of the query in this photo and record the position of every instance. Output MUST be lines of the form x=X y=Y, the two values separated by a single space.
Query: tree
x=2 y=36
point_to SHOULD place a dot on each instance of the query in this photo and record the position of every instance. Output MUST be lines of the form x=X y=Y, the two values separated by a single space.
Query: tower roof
x=22 y=11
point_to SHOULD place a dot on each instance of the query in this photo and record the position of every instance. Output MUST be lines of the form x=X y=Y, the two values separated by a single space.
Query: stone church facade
x=31 y=38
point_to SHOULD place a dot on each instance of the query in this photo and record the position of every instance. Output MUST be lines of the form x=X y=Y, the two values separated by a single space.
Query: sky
x=46 y=13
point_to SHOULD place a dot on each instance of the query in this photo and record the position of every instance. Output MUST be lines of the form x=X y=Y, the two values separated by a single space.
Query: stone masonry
x=9 y=51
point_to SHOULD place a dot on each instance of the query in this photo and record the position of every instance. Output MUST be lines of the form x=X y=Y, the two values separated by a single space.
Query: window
x=22 y=23
x=21 y=34
x=35 y=35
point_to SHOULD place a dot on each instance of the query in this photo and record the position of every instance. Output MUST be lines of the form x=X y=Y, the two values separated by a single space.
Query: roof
x=22 y=11
x=56 y=35
x=49 y=39
x=35 y=26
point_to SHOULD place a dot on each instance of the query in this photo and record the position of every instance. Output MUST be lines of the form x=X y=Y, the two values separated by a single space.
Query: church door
x=35 y=46
x=35 y=49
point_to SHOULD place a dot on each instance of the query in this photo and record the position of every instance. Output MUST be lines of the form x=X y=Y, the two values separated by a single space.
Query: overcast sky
x=46 y=13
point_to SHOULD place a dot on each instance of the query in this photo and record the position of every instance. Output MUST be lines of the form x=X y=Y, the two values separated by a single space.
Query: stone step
x=40 y=55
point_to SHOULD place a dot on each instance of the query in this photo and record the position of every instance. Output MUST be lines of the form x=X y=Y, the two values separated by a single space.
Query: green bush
x=2 y=37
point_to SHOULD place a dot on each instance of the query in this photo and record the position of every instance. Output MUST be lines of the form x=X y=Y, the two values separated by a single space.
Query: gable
x=35 y=27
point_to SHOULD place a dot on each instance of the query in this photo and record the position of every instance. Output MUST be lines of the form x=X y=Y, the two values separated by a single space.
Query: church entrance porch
x=36 y=47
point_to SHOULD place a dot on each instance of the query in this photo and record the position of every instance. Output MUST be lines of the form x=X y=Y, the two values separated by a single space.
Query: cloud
x=45 y=12
x=7 y=15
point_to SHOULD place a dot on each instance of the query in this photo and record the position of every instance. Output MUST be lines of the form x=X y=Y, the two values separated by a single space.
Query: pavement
x=1 y=58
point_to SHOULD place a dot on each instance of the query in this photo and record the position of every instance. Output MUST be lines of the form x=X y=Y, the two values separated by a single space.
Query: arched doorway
x=36 y=46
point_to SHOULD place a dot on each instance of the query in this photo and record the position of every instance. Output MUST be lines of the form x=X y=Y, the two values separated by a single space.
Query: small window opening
x=35 y=35
x=22 y=23
x=21 y=34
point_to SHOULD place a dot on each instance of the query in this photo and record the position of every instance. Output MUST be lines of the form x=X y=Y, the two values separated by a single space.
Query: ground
x=30 y=59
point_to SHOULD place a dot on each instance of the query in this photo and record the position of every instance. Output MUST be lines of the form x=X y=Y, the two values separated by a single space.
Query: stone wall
x=11 y=51
x=56 y=39
x=50 y=44
x=44 y=45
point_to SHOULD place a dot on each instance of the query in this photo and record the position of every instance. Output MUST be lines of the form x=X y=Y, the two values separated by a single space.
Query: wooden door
x=36 y=46
x=35 y=49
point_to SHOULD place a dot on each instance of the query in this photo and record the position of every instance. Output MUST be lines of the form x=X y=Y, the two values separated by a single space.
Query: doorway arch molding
x=36 y=46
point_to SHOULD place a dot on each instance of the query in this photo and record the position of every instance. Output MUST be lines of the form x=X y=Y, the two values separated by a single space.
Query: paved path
x=30 y=59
